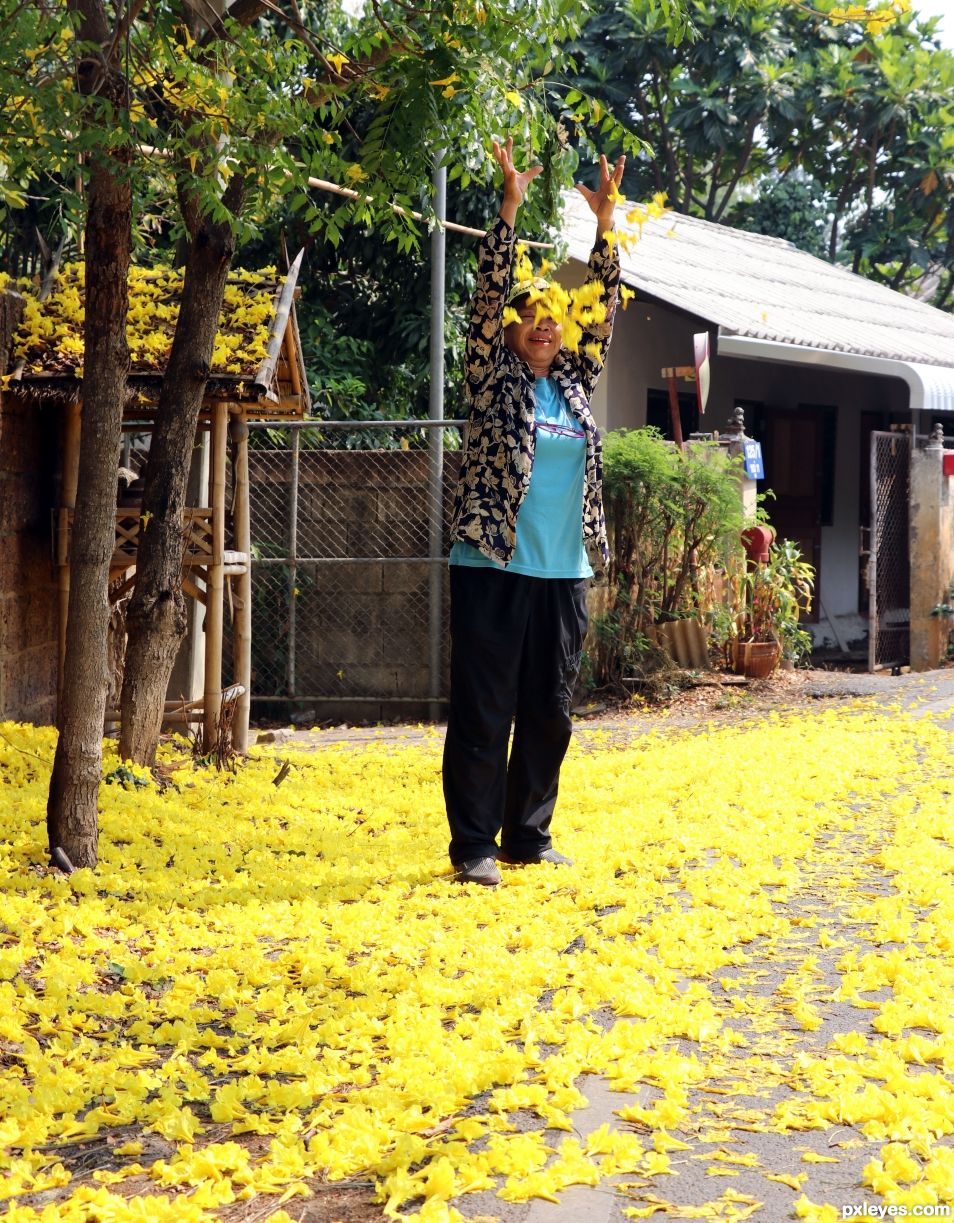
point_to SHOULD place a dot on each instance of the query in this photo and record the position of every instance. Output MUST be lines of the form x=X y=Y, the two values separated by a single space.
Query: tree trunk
x=72 y=823
x=156 y=619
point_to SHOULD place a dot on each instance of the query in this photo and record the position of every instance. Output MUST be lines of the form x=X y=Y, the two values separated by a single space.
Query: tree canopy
x=834 y=133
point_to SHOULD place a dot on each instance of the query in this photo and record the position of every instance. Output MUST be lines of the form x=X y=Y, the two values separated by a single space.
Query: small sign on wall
x=754 y=467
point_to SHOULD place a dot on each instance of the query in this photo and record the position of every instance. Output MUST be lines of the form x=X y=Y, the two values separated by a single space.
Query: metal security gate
x=889 y=573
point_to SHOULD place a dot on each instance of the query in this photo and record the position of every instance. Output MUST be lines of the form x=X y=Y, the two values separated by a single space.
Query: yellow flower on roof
x=50 y=335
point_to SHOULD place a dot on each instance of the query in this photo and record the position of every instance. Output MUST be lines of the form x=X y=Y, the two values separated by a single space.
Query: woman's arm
x=494 y=258
x=603 y=268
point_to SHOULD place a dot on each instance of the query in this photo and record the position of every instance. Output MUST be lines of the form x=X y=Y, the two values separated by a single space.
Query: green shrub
x=672 y=517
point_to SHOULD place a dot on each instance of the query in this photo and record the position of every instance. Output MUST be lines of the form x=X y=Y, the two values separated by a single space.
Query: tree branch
x=713 y=185
x=739 y=171
x=664 y=138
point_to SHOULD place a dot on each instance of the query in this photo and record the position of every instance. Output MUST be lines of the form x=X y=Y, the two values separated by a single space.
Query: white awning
x=931 y=386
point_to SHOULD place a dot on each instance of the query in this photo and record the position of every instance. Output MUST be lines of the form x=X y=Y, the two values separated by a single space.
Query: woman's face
x=536 y=343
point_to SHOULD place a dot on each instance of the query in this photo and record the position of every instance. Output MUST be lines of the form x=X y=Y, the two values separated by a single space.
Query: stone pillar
x=734 y=440
x=932 y=551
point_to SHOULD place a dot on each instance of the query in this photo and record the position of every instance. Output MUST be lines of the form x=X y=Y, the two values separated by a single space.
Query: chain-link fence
x=349 y=573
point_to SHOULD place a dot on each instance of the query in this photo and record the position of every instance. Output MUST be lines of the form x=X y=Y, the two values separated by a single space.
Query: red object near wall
x=757 y=541
x=949 y=463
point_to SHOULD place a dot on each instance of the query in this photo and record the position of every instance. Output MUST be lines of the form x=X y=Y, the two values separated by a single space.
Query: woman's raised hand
x=515 y=182
x=602 y=201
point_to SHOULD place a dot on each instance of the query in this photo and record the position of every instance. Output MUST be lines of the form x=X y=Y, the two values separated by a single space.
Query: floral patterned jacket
x=499 y=437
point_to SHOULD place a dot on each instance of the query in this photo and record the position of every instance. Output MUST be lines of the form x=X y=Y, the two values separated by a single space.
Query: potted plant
x=775 y=595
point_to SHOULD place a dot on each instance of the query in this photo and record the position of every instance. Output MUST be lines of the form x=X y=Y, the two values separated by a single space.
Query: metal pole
x=436 y=440
x=292 y=558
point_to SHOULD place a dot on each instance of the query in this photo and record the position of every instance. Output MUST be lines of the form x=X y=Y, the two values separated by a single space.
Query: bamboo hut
x=257 y=374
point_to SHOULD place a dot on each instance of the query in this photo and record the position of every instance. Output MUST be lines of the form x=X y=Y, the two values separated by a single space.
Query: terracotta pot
x=755 y=659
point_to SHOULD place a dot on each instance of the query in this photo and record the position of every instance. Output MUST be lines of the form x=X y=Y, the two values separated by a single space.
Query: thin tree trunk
x=743 y=165
x=672 y=177
x=943 y=295
x=72 y=823
x=156 y=619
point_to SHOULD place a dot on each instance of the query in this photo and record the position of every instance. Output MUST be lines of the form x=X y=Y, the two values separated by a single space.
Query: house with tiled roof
x=842 y=381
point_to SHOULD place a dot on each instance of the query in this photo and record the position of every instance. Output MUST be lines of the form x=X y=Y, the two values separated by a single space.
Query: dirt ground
x=693 y=700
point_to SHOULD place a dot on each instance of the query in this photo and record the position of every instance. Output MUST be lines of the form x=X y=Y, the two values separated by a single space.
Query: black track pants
x=516 y=643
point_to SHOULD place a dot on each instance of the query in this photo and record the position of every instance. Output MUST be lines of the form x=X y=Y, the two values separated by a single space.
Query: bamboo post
x=292 y=588
x=242 y=624
x=671 y=374
x=68 y=489
x=215 y=579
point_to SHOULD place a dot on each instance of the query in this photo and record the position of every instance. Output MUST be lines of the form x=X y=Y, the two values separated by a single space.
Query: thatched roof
x=256 y=357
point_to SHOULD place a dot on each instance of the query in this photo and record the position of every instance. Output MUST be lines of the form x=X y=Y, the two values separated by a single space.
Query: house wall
x=650 y=335
x=28 y=637
x=27 y=583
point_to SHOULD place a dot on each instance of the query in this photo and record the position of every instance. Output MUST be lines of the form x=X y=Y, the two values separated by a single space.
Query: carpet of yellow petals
x=277 y=986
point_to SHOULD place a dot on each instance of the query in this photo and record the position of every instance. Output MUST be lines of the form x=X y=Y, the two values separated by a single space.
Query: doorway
x=798 y=448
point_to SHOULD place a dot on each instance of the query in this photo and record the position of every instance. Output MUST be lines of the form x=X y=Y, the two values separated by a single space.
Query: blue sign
x=754 y=468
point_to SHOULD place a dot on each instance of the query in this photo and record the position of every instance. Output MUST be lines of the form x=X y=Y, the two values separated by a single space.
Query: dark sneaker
x=545 y=855
x=478 y=870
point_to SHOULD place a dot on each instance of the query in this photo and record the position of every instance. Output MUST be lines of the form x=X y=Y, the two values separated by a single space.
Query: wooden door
x=797 y=461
